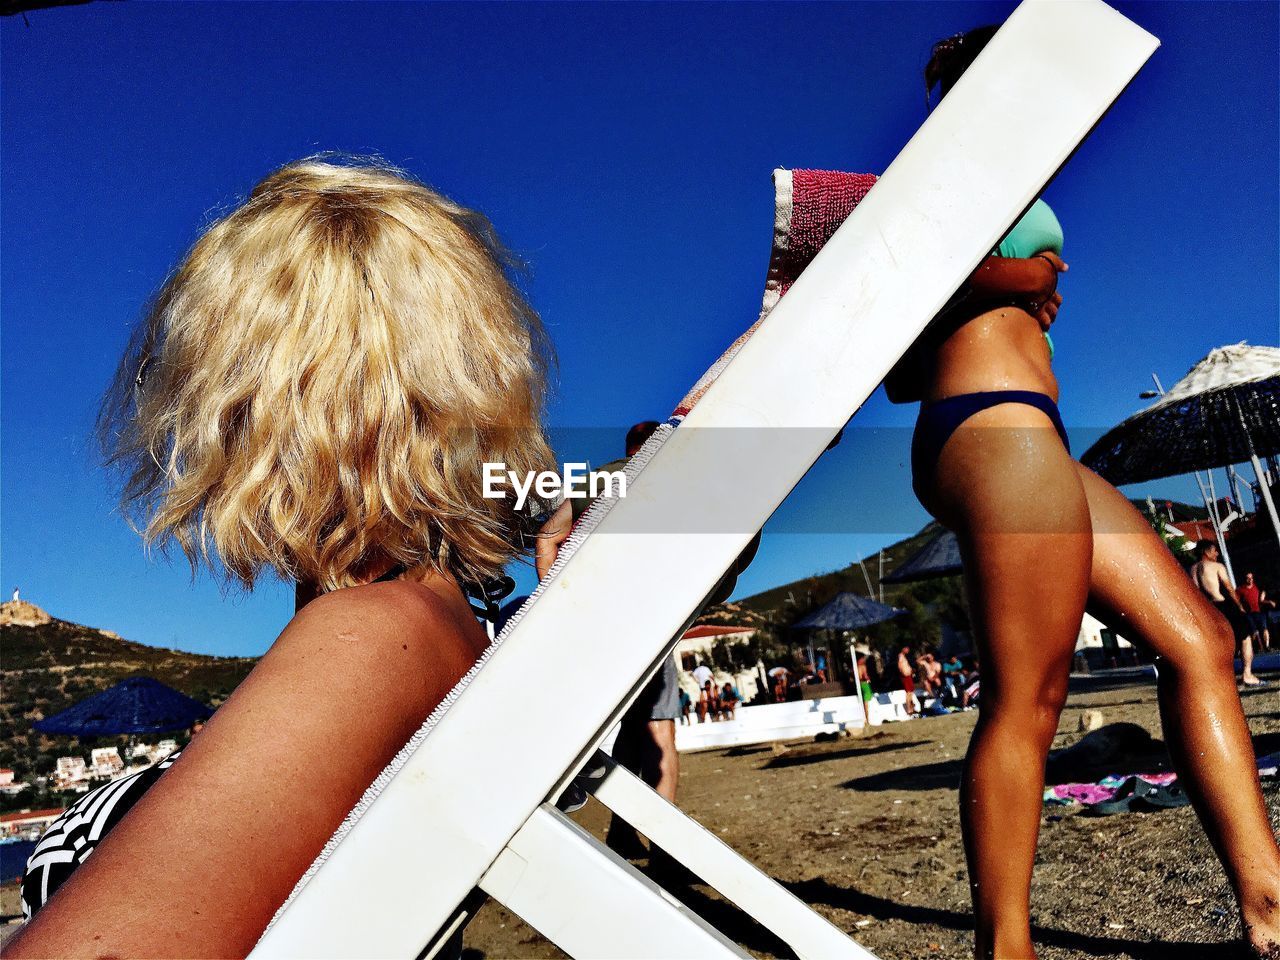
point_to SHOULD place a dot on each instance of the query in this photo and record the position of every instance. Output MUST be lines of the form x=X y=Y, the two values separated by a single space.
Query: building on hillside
x=697 y=646
x=27 y=824
x=69 y=772
x=163 y=749
x=8 y=786
x=105 y=763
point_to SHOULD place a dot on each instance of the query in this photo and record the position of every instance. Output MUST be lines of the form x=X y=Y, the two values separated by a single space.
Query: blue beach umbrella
x=135 y=705
x=848 y=611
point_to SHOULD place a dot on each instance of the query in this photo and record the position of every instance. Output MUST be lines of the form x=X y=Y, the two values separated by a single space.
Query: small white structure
x=774 y=721
x=888 y=707
x=105 y=762
x=68 y=772
x=696 y=646
x=8 y=786
x=1101 y=646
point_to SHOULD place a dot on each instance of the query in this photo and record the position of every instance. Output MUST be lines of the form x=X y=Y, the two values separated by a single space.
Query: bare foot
x=1262 y=927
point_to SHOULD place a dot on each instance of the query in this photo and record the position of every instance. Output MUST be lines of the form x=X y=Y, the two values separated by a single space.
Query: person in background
x=686 y=704
x=729 y=700
x=780 y=685
x=864 y=678
x=702 y=675
x=924 y=677
x=906 y=675
x=1209 y=573
x=933 y=673
x=953 y=678
x=1254 y=600
x=646 y=743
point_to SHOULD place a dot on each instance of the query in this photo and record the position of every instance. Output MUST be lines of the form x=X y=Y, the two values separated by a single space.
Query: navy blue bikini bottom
x=940 y=419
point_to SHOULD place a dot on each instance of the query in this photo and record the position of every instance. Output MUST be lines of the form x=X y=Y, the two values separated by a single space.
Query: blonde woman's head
x=322 y=378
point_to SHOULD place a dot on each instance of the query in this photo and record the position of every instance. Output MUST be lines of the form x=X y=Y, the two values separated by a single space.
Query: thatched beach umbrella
x=1226 y=410
x=940 y=557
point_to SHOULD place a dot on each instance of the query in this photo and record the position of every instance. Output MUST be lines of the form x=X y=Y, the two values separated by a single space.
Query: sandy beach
x=866 y=829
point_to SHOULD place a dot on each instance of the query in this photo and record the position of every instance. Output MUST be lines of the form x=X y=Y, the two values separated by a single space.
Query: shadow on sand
x=800 y=759
x=820 y=891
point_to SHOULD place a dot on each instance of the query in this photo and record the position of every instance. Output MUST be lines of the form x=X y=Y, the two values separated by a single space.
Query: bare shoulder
x=381 y=615
x=384 y=639
x=252 y=800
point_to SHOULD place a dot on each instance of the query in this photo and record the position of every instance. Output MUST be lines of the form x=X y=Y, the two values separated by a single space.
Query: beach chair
x=469 y=804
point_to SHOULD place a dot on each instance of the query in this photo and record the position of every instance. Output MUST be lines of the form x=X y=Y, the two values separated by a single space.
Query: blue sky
x=624 y=150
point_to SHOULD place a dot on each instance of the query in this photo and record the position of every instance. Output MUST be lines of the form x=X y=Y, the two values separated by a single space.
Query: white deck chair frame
x=465 y=803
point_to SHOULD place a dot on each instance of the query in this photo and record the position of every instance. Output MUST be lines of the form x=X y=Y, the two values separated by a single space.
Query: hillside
x=49 y=664
x=801 y=596
x=929 y=604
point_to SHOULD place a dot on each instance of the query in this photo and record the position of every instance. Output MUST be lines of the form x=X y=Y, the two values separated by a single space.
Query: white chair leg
x=591 y=903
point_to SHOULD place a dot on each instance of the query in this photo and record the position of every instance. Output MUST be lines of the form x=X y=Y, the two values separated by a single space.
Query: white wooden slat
x=503 y=744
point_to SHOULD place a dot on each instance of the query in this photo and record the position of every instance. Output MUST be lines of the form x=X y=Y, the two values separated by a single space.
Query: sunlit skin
x=343 y=688
x=1042 y=539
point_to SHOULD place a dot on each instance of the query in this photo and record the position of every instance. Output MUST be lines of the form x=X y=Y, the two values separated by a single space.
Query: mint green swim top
x=1037 y=231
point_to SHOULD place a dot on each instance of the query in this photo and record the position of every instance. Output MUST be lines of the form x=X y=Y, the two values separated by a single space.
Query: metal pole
x=1257 y=469
x=1266 y=495
x=871 y=593
x=1233 y=479
x=1211 y=506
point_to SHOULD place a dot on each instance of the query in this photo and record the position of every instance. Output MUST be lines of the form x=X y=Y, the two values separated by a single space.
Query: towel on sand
x=808 y=207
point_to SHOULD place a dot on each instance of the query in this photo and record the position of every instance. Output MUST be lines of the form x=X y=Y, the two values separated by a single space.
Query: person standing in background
x=1255 y=603
x=1210 y=575
x=906 y=672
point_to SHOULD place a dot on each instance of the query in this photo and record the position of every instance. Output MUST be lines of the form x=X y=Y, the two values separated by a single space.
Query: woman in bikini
x=312 y=395
x=990 y=460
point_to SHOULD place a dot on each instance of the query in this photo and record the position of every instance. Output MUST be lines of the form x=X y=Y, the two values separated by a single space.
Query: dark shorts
x=1257 y=621
x=660 y=699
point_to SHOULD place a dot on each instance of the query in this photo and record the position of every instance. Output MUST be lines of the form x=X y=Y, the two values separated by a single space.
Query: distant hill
x=49 y=664
x=933 y=607
x=930 y=604
x=801 y=596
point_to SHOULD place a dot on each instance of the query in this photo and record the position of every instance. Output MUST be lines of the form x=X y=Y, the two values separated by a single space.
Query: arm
x=553 y=533
x=1031 y=282
x=200 y=864
x=1224 y=583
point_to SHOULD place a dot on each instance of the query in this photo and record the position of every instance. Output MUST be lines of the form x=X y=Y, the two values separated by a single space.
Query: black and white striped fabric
x=76 y=833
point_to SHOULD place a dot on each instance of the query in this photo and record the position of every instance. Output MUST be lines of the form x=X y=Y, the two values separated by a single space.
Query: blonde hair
x=318 y=384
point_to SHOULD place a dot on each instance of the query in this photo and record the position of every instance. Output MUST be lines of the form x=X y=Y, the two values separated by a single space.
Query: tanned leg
x=1008 y=488
x=1144 y=594
x=665 y=771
